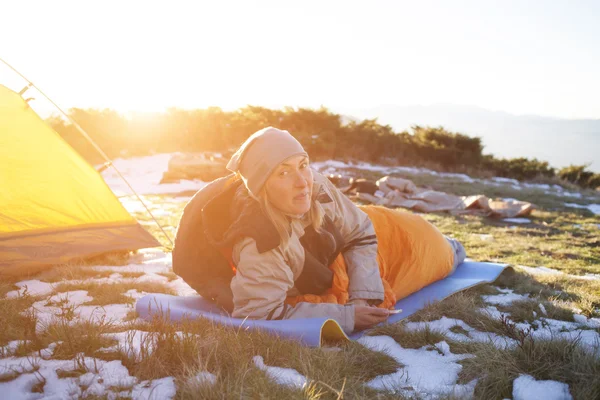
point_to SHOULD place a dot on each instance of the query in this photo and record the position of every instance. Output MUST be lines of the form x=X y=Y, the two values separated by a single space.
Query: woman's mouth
x=301 y=196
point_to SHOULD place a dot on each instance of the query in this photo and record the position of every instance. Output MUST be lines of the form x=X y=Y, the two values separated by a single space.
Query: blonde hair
x=280 y=220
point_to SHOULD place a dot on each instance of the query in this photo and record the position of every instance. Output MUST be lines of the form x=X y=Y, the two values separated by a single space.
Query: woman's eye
x=303 y=165
x=283 y=173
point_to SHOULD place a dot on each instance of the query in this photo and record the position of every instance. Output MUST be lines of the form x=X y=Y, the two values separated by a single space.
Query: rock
x=190 y=166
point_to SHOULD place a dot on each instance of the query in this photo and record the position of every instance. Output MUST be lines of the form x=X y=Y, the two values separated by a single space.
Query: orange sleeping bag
x=412 y=253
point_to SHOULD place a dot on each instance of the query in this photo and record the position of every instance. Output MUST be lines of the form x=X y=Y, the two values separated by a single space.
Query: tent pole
x=89 y=139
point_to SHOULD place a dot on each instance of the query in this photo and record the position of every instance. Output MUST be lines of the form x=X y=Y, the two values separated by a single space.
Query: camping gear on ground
x=315 y=331
x=54 y=206
x=400 y=192
x=190 y=166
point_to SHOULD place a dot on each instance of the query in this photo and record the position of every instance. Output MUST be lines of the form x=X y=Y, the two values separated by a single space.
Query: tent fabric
x=314 y=331
x=53 y=205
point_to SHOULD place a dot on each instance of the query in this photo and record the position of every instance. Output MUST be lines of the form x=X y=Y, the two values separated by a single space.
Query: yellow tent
x=53 y=205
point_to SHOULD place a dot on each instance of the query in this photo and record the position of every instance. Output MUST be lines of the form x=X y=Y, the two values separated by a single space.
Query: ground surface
x=72 y=332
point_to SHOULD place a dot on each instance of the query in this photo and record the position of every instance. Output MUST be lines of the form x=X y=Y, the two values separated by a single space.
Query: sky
x=522 y=57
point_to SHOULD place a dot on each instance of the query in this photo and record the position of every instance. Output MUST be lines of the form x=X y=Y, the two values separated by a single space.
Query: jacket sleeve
x=261 y=284
x=360 y=251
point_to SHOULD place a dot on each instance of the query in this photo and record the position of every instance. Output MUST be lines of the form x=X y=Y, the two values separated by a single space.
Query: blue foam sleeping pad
x=313 y=331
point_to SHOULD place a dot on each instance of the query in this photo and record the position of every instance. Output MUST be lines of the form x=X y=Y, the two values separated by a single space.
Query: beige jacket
x=263 y=281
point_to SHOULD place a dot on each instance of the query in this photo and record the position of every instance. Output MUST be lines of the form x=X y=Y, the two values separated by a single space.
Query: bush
x=518 y=168
x=578 y=175
x=322 y=133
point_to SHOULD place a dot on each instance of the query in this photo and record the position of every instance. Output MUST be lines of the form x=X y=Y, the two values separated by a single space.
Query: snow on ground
x=283 y=376
x=595 y=208
x=32 y=288
x=444 y=324
x=203 y=378
x=425 y=372
x=71 y=305
x=101 y=379
x=114 y=313
x=549 y=271
x=144 y=175
x=428 y=372
x=517 y=220
x=133 y=343
x=525 y=387
x=334 y=167
x=506 y=298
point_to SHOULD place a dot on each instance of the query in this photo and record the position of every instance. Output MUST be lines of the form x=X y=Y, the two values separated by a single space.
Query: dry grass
x=409 y=339
x=113 y=293
x=559 y=360
x=57 y=272
x=523 y=311
x=563 y=292
x=71 y=273
x=171 y=276
x=18 y=321
x=463 y=306
x=228 y=354
x=186 y=348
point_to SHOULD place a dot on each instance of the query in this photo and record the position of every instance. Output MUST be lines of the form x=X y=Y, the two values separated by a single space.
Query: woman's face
x=289 y=188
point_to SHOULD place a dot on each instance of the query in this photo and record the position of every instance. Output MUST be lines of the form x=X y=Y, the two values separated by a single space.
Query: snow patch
x=505 y=180
x=157 y=389
x=144 y=174
x=444 y=324
x=517 y=220
x=428 y=373
x=507 y=297
x=594 y=208
x=203 y=378
x=525 y=387
x=12 y=346
x=31 y=287
x=99 y=380
x=283 y=376
x=133 y=343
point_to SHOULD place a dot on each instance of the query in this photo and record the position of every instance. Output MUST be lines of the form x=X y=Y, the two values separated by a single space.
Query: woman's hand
x=367 y=316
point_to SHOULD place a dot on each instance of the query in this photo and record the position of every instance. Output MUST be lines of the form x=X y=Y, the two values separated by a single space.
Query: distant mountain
x=561 y=142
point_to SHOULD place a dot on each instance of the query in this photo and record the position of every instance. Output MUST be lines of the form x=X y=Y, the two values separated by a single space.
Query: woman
x=277 y=240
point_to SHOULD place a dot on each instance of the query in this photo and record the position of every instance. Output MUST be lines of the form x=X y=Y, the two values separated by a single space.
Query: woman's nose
x=300 y=180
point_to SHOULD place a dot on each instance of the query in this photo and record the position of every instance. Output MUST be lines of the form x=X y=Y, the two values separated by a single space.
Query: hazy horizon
x=533 y=58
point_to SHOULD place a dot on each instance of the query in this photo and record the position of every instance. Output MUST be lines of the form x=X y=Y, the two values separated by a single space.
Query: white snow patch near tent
x=101 y=377
x=133 y=343
x=283 y=376
x=144 y=175
x=12 y=346
x=525 y=387
x=31 y=287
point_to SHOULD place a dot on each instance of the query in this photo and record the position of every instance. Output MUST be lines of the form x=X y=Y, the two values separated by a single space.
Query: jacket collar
x=224 y=228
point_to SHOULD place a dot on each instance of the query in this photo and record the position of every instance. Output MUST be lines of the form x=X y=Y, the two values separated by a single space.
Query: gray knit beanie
x=260 y=154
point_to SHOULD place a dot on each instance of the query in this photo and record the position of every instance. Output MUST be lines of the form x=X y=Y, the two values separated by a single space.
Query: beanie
x=260 y=154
